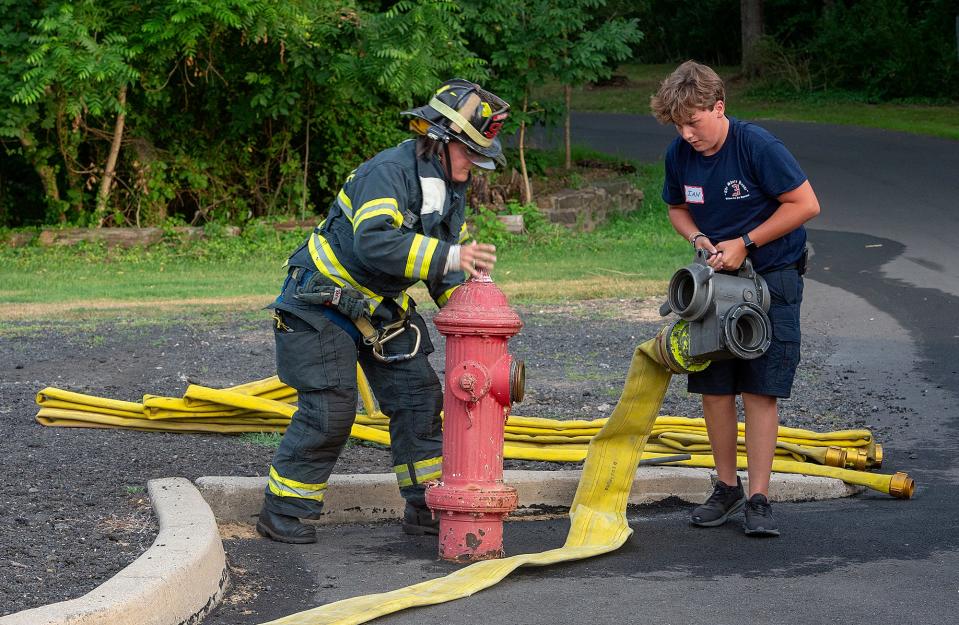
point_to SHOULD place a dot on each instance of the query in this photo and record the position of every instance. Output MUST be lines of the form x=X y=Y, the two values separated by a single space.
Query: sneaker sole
x=733 y=510
x=759 y=531
x=264 y=531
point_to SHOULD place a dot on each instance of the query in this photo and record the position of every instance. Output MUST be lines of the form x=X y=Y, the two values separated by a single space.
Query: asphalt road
x=882 y=281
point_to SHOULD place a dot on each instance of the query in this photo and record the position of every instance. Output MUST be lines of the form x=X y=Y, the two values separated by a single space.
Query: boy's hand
x=715 y=258
x=733 y=253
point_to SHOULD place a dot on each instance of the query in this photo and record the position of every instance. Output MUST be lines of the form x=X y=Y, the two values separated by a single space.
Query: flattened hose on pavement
x=598 y=522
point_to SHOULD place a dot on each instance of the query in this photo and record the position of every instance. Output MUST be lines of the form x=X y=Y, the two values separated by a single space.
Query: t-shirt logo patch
x=694 y=195
x=735 y=190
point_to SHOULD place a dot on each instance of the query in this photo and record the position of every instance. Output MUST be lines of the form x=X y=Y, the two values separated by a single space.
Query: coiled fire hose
x=267 y=405
x=598 y=521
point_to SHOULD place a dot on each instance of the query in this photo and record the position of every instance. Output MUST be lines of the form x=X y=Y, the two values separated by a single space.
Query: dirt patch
x=75 y=310
x=76 y=510
x=230 y=531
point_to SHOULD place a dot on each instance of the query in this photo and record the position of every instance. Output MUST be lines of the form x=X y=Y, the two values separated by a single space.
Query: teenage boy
x=734 y=190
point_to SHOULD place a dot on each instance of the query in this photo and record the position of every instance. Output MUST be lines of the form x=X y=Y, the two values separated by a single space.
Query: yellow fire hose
x=267 y=405
x=597 y=514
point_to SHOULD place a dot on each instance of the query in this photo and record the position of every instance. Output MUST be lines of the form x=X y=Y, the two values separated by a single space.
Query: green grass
x=264 y=439
x=750 y=102
x=631 y=256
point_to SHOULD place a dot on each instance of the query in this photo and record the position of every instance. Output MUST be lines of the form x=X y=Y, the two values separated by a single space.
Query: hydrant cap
x=478 y=307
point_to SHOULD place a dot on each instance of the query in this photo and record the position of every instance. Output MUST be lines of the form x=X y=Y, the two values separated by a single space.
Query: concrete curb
x=365 y=498
x=176 y=581
x=183 y=575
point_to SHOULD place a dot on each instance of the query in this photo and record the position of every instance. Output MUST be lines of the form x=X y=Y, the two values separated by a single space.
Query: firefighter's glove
x=345 y=299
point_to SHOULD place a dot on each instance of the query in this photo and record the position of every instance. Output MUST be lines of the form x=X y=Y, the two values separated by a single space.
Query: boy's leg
x=762 y=423
x=717 y=386
x=720 y=414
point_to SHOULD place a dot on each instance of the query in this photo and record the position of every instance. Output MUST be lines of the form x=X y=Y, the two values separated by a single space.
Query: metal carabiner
x=378 y=345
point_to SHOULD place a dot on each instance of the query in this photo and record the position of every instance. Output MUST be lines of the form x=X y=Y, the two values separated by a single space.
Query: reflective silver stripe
x=343 y=201
x=284 y=487
x=420 y=256
x=423 y=471
x=403 y=475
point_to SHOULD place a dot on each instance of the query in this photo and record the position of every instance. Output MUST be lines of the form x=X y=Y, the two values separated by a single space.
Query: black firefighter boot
x=286 y=529
x=418 y=521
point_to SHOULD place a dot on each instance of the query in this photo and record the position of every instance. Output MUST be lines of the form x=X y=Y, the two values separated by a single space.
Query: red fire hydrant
x=482 y=382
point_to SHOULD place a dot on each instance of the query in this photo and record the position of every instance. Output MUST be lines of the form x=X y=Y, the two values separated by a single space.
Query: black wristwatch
x=750 y=244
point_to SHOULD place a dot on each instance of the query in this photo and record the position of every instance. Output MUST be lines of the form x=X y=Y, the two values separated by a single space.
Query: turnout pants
x=318 y=358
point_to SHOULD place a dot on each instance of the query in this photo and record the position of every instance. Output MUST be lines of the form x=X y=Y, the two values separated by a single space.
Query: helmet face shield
x=464 y=111
x=483 y=162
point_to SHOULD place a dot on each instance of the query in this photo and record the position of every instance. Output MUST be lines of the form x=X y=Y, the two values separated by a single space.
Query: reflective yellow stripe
x=346 y=205
x=285 y=487
x=420 y=256
x=464 y=233
x=429 y=462
x=403 y=475
x=414 y=252
x=445 y=297
x=379 y=206
x=428 y=258
x=363 y=215
x=327 y=263
x=429 y=469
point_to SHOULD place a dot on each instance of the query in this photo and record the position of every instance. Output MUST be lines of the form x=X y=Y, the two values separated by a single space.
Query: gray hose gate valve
x=726 y=313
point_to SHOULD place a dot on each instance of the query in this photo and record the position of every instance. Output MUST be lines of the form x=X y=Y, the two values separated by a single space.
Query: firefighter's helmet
x=464 y=111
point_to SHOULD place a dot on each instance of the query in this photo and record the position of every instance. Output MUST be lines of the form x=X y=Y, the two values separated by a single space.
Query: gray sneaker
x=725 y=501
x=759 y=517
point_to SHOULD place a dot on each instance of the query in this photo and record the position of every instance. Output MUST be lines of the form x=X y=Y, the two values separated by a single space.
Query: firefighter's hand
x=476 y=256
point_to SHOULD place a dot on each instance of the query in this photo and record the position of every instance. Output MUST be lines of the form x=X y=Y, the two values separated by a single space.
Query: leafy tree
x=213 y=109
x=586 y=49
x=529 y=42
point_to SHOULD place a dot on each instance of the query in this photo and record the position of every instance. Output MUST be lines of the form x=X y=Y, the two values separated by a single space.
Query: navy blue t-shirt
x=733 y=191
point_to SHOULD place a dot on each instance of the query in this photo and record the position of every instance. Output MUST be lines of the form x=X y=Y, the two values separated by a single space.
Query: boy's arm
x=796 y=207
x=683 y=223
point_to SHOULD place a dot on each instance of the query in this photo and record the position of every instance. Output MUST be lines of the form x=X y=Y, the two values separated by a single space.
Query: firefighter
x=398 y=219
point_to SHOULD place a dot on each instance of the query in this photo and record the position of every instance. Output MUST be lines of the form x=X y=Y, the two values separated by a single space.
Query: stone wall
x=586 y=208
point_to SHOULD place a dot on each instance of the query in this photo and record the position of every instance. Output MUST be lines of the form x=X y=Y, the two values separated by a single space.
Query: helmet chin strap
x=447 y=163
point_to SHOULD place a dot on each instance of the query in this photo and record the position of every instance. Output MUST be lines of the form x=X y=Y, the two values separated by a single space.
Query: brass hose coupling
x=901 y=486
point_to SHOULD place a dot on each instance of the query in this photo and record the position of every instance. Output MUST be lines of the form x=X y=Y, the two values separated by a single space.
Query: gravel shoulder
x=75 y=503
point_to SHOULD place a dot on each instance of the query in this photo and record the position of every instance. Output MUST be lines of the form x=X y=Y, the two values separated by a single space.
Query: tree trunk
x=47 y=173
x=110 y=170
x=68 y=152
x=751 y=21
x=568 y=93
x=527 y=190
x=306 y=170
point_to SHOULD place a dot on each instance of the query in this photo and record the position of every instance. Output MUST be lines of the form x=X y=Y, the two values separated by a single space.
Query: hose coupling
x=727 y=314
x=835 y=457
x=901 y=486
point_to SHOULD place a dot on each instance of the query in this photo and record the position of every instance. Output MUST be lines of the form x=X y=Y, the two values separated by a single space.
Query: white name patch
x=694 y=195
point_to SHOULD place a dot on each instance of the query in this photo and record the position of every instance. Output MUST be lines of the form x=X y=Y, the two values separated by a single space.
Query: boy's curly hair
x=690 y=88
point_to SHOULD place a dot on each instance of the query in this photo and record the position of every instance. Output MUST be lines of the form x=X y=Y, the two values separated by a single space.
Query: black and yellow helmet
x=464 y=111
